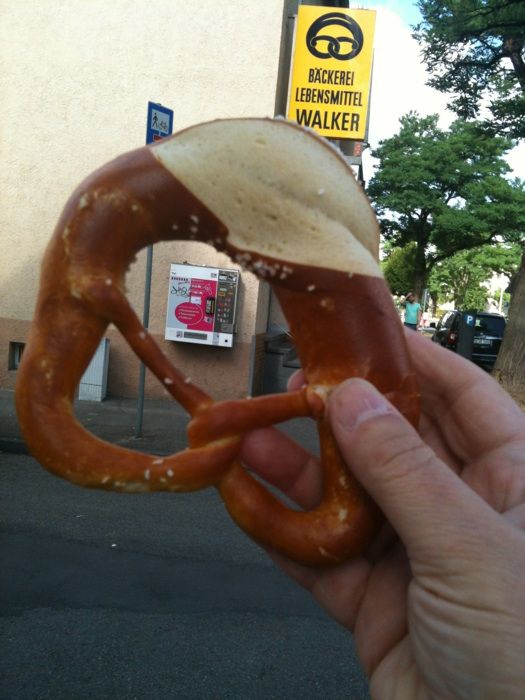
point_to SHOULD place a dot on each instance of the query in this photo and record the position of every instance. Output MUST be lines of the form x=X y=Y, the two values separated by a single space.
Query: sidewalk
x=114 y=419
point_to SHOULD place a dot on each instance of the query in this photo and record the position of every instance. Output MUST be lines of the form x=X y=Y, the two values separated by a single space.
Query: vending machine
x=202 y=303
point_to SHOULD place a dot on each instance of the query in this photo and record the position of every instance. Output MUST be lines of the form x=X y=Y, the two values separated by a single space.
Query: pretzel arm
x=66 y=448
x=323 y=536
x=228 y=418
x=328 y=534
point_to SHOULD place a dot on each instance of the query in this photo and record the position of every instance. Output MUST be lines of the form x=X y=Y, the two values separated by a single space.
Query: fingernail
x=355 y=402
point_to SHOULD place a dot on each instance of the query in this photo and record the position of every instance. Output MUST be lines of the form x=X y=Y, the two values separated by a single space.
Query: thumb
x=423 y=499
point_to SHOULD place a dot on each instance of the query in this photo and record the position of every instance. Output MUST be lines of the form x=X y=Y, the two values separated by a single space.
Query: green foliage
x=398 y=269
x=444 y=191
x=461 y=277
x=475 y=52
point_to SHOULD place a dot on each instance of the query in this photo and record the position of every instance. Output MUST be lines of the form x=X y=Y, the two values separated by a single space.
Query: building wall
x=75 y=80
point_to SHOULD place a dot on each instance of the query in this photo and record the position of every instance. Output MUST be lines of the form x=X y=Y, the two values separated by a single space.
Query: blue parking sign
x=160 y=122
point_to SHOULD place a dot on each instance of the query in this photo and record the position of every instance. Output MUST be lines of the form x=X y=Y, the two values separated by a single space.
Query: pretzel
x=283 y=203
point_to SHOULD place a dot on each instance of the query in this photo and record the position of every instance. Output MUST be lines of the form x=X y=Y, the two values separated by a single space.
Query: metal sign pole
x=467 y=325
x=159 y=125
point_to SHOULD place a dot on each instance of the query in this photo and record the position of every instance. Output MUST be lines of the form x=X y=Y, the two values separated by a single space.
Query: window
x=490 y=325
x=447 y=319
x=15 y=355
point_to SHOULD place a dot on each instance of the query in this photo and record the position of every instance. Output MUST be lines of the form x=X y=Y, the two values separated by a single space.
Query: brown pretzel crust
x=331 y=328
x=343 y=325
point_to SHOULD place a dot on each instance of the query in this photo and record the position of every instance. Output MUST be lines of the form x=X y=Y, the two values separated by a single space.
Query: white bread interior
x=281 y=191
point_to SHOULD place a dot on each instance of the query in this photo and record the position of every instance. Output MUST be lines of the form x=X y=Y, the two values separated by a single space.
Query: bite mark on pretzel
x=283 y=203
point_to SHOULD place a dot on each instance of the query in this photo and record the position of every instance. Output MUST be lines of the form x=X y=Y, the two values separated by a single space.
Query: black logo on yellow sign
x=322 y=43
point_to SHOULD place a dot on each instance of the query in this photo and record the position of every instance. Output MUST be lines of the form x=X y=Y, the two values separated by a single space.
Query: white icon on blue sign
x=159 y=123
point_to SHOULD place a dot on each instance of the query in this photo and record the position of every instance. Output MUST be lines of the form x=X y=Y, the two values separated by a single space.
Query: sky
x=406 y=9
x=399 y=79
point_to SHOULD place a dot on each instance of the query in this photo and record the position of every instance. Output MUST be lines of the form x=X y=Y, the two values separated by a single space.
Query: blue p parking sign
x=160 y=122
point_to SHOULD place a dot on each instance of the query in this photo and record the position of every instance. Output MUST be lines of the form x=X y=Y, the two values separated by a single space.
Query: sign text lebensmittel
x=331 y=72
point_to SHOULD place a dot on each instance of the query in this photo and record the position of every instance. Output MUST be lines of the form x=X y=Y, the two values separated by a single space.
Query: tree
x=398 y=269
x=510 y=364
x=462 y=278
x=474 y=50
x=444 y=191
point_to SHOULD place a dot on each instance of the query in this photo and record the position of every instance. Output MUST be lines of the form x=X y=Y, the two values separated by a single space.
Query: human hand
x=439 y=613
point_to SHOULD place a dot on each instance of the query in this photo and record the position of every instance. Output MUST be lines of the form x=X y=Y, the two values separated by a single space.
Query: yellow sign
x=331 y=73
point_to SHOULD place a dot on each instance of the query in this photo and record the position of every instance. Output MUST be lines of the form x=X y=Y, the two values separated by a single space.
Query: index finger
x=280 y=461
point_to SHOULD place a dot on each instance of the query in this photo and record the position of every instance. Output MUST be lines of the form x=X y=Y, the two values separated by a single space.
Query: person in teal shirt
x=412 y=311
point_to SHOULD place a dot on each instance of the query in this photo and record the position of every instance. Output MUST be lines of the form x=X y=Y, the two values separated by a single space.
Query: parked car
x=488 y=334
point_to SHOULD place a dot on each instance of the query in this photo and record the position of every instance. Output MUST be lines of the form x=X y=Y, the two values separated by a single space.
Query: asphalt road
x=151 y=597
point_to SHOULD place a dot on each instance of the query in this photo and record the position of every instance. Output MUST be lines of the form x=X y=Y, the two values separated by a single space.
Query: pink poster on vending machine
x=191 y=302
x=197 y=310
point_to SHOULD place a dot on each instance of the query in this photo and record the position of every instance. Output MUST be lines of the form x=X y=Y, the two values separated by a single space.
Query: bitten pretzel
x=282 y=202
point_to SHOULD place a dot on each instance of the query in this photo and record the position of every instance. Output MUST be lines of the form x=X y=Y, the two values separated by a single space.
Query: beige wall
x=75 y=79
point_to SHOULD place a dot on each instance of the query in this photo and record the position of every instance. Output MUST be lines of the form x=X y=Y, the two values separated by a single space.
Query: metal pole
x=159 y=124
x=145 y=323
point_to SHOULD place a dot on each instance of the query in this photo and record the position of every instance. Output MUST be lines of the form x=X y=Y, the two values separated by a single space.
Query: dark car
x=488 y=334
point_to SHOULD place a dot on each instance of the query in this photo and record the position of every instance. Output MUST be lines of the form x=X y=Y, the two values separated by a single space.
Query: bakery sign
x=331 y=71
x=202 y=304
